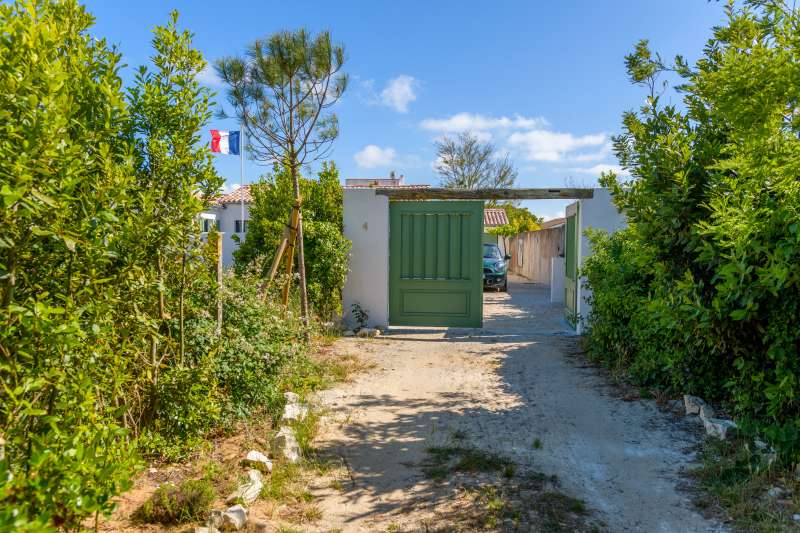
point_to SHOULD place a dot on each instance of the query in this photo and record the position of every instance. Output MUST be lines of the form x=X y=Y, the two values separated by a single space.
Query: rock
x=706 y=412
x=248 y=491
x=285 y=444
x=261 y=527
x=363 y=333
x=796 y=517
x=258 y=460
x=374 y=332
x=214 y=520
x=675 y=405
x=775 y=492
x=717 y=427
x=206 y=530
x=348 y=333
x=234 y=519
x=693 y=404
x=294 y=411
x=291 y=397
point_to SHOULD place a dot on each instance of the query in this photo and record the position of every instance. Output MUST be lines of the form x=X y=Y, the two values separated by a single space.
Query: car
x=495 y=268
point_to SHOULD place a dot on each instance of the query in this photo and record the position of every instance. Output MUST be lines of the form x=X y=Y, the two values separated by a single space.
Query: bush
x=701 y=294
x=259 y=339
x=176 y=504
x=326 y=249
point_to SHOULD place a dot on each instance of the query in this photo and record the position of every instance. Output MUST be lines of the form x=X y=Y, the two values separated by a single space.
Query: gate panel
x=435 y=263
x=571 y=264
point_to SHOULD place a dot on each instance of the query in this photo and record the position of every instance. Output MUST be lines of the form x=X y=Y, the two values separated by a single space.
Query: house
x=231 y=213
x=494 y=217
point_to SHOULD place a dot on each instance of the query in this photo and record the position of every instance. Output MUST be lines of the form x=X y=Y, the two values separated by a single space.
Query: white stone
x=706 y=412
x=291 y=397
x=294 y=411
x=796 y=517
x=775 y=492
x=717 y=427
x=249 y=490
x=258 y=460
x=693 y=404
x=234 y=519
x=348 y=333
x=285 y=444
x=374 y=332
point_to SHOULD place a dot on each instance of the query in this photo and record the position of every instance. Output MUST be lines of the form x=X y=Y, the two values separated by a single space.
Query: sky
x=545 y=82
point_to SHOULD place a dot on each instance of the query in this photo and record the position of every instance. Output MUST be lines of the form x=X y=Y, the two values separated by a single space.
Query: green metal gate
x=435 y=263
x=571 y=267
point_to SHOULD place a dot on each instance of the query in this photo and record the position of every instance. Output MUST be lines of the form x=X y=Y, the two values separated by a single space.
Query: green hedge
x=701 y=294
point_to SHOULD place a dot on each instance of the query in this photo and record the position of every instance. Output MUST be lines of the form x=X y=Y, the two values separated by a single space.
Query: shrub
x=326 y=249
x=701 y=294
x=176 y=504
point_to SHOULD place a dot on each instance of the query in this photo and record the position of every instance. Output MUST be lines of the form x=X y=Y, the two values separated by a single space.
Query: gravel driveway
x=517 y=387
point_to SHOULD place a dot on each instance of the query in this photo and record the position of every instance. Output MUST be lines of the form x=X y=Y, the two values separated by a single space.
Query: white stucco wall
x=366 y=225
x=557 y=274
x=597 y=212
x=227 y=214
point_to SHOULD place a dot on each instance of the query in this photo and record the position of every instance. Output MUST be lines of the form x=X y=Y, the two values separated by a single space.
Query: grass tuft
x=176 y=504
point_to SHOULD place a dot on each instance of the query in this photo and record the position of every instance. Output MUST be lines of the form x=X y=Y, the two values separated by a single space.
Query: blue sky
x=544 y=81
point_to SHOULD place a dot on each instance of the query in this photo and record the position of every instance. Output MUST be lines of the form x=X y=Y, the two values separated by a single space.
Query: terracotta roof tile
x=493 y=216
x=242 y=193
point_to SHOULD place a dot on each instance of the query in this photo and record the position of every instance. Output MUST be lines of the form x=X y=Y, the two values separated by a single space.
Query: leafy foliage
x=326 y=248
x=701 y=293
x=106 y=290
x=520 y=220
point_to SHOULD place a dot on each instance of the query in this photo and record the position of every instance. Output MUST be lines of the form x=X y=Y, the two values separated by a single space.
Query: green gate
x=571 y=267
x=436 y=263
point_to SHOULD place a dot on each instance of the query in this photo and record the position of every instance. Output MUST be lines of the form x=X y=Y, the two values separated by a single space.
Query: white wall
x=226 y=215
x=557 y=274
x=366 y=225
x=597 y=212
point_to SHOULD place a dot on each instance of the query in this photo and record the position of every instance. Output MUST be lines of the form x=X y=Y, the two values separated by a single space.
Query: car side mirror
x=507 y=257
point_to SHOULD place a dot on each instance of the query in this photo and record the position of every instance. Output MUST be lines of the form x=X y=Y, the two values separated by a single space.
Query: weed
x=737 y=481
x=537 y=444
x=176 y=504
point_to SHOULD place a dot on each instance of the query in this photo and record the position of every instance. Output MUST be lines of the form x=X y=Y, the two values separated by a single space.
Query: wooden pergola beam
x=441 y=193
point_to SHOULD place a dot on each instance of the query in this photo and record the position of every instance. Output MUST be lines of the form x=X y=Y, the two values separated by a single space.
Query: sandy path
x=505 y=386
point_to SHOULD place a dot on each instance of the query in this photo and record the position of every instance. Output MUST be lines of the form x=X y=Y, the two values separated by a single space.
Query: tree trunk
x=301 y=260
x=301 y=268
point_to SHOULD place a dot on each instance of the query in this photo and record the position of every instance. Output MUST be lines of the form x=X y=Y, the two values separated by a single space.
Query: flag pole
x=241 y=169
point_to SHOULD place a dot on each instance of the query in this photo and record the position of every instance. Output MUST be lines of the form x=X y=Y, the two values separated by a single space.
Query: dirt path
x=514 y=388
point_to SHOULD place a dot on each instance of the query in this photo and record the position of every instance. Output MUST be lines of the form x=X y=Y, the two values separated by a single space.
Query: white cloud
x=480 y=123
x=545 y=145
x=399 y=92
x=208 y=76
x=600 y=168
x=550 y=216
x=372 y=156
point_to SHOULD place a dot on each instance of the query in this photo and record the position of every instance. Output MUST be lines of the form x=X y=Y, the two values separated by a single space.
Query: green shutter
x=436 y=263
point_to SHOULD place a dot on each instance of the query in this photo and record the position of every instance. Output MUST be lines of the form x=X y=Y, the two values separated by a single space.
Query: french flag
x=225 y=142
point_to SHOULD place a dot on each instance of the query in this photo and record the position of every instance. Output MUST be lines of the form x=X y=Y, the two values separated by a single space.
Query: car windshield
x=491 y=251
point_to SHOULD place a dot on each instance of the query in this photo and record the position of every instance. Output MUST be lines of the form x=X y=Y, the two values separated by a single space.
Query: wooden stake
x=294 y=220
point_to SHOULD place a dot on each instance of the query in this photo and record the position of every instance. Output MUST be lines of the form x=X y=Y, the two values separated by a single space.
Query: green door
x=571 y=267
x=436 y=263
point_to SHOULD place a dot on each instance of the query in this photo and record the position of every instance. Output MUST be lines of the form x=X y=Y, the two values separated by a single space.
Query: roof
x=377 y=185
x=494 y=216
x=554 y=223
x=235 y=196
